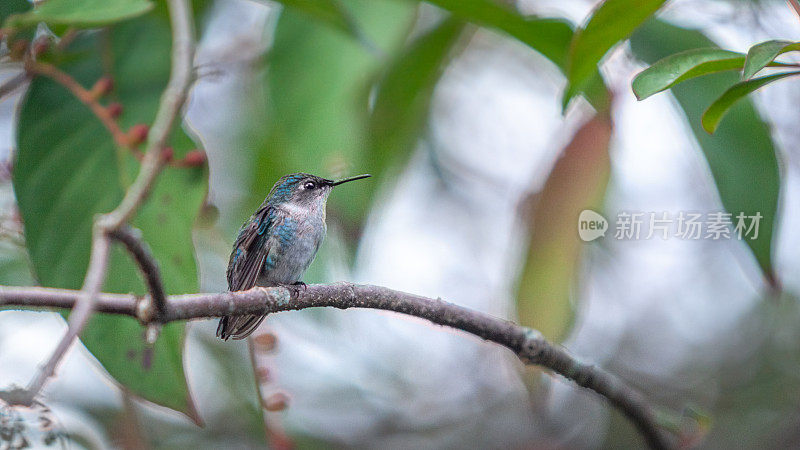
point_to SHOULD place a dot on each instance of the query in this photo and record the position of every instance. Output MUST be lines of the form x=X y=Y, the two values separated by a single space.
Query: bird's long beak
x=345 y=180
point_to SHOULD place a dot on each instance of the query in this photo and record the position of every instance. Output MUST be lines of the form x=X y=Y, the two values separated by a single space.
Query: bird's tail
x=238 y=327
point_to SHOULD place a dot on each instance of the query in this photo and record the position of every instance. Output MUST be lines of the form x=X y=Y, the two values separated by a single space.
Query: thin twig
x=172 y=101
x=132 y=239
x=170 y=106
x=84 y=305
x=82 y=94
x=66 y=39
x=527 y=344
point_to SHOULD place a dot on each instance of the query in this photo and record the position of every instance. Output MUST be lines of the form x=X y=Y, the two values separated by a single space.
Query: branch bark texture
x=527 y=344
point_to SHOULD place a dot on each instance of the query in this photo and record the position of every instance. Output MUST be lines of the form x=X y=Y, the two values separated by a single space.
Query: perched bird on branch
x=279 y=241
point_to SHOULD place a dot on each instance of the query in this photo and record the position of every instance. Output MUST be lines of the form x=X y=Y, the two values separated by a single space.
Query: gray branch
x=131 y=238
x=527 y=344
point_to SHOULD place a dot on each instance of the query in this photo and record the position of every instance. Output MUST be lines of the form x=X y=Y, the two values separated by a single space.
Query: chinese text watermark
x=629 y=225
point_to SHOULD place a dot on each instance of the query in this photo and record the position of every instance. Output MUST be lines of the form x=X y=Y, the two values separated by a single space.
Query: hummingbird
x=278 y=242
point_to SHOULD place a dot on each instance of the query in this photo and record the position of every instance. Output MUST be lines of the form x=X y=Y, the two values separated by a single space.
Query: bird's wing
x=251 y=249
x=250 y=253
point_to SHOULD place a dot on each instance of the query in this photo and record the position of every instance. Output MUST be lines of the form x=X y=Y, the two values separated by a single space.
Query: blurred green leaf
x=759 y=387
x=15 y=268
x=741 y=154
x=761 y=55
x=612 y=22
x=9 y=7
x=403 y=96
x=332 y=12
x=81 y=13
x=317 y=106
x=673 y=69
x=68 y=170
x=549 y=278
x=714 y=114
x=594 y=91
x=550 y=37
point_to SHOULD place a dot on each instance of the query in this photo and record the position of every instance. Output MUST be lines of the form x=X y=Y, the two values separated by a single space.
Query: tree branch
x=132 y=240
x=84 y=305
x=169 y=108
x=527 y=344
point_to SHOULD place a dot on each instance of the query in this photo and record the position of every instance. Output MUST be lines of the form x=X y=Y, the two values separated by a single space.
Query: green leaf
x=332 y=12
x=683 y=66
x=68 y=170
x=673 y=69
x=612 y=22
x=15 y=269
x=81 y=13
x=9 y=7
x=718 y=109
x=594 y=91
x=550 y=37
x=547 y=286
x=404 y=95
x=761 y=55
x=741 y=154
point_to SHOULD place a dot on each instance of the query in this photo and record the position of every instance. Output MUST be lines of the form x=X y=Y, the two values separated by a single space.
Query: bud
x=168 y=154
x=102 y=87
x=41 y=45
x=115 y=110
x=276 y=402
x=266 y=342
x=263 y=375
x=193 y=159
x=137 y=134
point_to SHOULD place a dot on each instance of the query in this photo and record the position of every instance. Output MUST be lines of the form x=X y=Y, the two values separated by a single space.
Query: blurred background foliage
x=488 y=126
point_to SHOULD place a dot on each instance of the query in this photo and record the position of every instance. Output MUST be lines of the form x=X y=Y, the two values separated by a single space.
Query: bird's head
x=305 y=190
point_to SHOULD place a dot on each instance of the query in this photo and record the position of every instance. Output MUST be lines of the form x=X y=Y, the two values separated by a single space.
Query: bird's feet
x=296 y=288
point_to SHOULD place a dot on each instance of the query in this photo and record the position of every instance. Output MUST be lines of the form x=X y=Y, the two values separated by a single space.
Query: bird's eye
x=309 y=185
